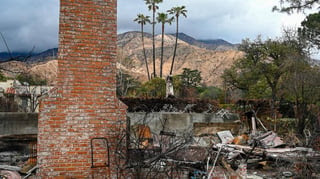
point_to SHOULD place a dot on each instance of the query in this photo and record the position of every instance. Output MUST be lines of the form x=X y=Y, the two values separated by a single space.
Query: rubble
x=230 y=150
x=170 y=105
x=205 y=129
x=265 y=153
x=29 y=173
x=225 y=136
x=270 y=139
x=5 y=174
x=224 y=149
x=8 y=167
x=17 y=155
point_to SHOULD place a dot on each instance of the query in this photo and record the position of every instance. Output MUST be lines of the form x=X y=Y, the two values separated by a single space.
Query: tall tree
x=290 y=6
x=264 y=61
x=177 y=11
x=310 y=30
x=163 y=18
x=143 y=20
x=273 y=67
x=301 y=85
x=310 y=27
x=153 y=6
x=240 y=75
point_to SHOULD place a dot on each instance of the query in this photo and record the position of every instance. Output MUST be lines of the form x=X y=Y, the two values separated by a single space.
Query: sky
x=34 y=23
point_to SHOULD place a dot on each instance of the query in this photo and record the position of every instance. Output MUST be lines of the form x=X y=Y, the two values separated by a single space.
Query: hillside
x=211 y=63
x=190 y=54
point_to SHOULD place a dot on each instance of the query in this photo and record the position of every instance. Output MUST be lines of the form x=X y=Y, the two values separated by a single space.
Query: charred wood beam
x=286 y=154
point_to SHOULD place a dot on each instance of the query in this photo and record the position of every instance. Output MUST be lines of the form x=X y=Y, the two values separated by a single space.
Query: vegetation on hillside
x=2 y=77
x=187 y=85
x=32 y=80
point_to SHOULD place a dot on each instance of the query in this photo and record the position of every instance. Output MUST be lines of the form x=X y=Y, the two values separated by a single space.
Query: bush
x=2 y=77
x=31 y=79
x=211 y=92
x=155 y=88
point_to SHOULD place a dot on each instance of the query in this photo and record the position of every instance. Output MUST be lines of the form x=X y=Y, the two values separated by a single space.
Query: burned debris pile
x=243 y=147
x=186 y=138
x=263 y=155
x=170 y=105
x=18 y=155
x=266 y=156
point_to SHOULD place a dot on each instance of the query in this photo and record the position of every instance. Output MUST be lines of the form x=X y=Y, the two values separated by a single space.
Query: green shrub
x=211 y=92
x=2 y=77
x=155 y=88
x=31 y=79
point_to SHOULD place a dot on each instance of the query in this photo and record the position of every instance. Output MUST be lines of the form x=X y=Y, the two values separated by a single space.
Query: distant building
x=23 y=96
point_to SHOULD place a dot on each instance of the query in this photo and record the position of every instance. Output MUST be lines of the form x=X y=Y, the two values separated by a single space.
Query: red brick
x=83 y=104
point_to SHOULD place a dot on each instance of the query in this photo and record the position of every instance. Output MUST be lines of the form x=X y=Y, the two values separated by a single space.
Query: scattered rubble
x=225 y=136
x=265 y=155
x=209 y=150
x=216 y=151
x=6 y=174
x=17 y=155
x=170 y=105
x=8 y=167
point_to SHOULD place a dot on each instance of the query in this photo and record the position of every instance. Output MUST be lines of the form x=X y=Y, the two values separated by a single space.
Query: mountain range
x=215 y=44
x=211 y=57
x=30 y=57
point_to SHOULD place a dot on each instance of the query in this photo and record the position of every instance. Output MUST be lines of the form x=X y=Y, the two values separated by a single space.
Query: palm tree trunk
x=153 y=42
x=144 y=52
x=175 y=46
x=162 y=43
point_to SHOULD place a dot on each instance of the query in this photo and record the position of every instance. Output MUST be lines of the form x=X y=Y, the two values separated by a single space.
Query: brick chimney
x=80 y=121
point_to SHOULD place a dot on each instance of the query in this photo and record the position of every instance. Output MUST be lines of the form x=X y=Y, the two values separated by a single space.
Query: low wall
x=178 y=123
x=18 y=123
x=27 y=123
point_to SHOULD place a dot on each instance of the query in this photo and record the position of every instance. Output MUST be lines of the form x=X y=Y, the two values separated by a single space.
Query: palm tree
x=152 y=5
x=163 y=19
x=176 y=11
x=141 y=19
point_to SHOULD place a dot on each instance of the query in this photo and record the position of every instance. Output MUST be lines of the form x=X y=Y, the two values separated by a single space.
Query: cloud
x=232 y=20
x=28 y=23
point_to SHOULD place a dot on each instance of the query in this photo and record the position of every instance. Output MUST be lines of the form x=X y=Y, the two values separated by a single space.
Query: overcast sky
x=28 y=23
